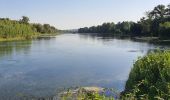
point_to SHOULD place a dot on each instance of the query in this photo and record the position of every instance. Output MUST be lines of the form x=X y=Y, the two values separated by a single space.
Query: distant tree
x=151 y=25
x=105 y=27
x=146 y=26
x=112 y=28
x=47 y=28
x=164 y=30
x=125 y=27
x=39 y=28
x=22 y=28
x=15 y=29
x=4 y=19
x=136 y=29
x=25 y=20
x=159 y=12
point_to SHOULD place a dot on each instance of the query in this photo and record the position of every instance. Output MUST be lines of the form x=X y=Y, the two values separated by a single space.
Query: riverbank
x=145 y=39
x=23 y=38
x=17 y=38
x=11 y=39
x=48 y=35
x=89 y=93
x=154 y=40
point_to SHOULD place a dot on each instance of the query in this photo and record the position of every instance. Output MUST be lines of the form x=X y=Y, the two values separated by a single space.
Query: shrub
x=150 y=77
x=13 y=29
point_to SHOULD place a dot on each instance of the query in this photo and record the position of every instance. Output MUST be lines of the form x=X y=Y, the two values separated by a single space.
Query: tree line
x=155 y=23
x=22 y=28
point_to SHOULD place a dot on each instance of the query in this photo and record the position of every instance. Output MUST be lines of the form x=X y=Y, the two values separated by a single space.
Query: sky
x=73 y=14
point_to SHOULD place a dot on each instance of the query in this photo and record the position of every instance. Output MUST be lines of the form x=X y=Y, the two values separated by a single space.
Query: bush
x=13 y=29
x=150 y=77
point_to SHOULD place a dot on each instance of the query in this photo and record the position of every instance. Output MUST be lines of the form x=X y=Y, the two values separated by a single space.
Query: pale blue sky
x=70 y=14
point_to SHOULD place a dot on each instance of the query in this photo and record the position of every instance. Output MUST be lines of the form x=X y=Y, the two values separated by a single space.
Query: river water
x=43 y=66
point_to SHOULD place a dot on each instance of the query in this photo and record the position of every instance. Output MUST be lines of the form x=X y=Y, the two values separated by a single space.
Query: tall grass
x=149 y=79
x=14 y=29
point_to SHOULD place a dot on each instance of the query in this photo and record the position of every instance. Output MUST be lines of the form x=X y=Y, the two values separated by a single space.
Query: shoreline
x=23 y=38
x=154 y=40
x=12 y=39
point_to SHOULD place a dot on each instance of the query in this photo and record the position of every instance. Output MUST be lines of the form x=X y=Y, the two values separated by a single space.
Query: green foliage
x=46 y=28
x=159 y=12
x=164 y=29
x=85 y=96
x=150 y=77
x=88 y=94
x=22 y=29
x=12 y=29
x=147 y=26
x=118 y=28
x=25 y=20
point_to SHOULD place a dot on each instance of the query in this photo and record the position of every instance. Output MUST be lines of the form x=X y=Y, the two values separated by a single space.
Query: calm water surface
x=43 y=66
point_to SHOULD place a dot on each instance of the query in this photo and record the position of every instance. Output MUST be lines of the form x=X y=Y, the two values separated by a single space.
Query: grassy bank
x=38 y=35
x=149 y=78
x=11 y=39
x=16 y=39
x=11 y=30
x=19 y=38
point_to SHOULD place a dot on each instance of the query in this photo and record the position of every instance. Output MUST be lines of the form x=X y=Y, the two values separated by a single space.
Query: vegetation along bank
x=22 y=29
x=156 y=23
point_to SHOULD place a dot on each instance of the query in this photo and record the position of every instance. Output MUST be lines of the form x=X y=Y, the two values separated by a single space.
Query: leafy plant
x=150 y=77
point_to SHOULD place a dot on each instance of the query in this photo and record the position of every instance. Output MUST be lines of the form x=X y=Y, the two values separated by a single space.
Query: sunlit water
x=41 y=67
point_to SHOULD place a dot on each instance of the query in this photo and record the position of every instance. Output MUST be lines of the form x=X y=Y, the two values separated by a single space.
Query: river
x=43 y=66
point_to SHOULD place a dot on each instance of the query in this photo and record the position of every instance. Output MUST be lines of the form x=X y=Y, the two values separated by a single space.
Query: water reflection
x=9 y=48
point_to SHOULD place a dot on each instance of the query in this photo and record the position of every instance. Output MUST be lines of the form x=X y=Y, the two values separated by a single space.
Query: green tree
x=164 y=29
x=25 y=20
x=112 y=28
x=159 y=12
x=146 y=26
x=22 y=29
x=39 y=28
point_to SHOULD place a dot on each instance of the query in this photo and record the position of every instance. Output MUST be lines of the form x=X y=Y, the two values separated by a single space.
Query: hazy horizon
x=74 y=14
